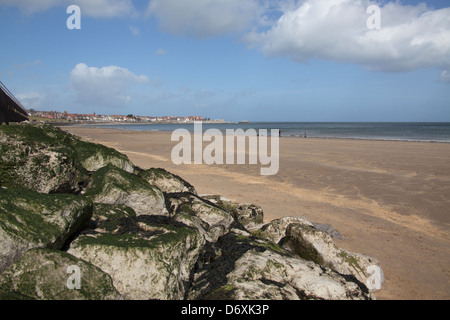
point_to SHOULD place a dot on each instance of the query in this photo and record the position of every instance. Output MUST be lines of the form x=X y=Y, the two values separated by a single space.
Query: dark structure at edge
x=11 y=110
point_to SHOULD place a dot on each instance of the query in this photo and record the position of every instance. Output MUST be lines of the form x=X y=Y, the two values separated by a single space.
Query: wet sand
x=389 y=199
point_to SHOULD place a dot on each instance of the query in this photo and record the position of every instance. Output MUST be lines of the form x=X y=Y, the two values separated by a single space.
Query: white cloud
x=411 y=37
x=107 y=86
x=160 y=52
x=204 y=18
x=134 y=31
x=97 y=8
x=445 y=76
x=31 y=99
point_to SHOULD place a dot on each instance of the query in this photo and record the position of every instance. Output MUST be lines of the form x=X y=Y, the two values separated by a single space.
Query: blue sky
x=280 y=60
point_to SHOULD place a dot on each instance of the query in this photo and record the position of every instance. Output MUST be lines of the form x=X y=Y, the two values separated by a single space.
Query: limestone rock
x=267 y=275
x=106 y=216
x=275 y=230
x=194 y=211
x=45 y=274
x=111 y=185
x=248 y=214
x=39 y=158
x=166 y=181
x=242 y=267
x=32 y=220
x=94 y=156
x=48 y=160
x=315 y=245
x=148 y=257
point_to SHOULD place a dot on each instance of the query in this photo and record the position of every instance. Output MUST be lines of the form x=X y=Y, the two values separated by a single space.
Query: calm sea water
x=403 y=131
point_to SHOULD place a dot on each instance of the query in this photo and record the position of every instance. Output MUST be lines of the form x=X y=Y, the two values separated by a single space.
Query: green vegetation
x=304 y=250
x=26 y=153
x=109 y=176
x=46 y=276
x=160 y=236
x=352 y=261
x=36 y=156
x=262 y=243
x=35 y=217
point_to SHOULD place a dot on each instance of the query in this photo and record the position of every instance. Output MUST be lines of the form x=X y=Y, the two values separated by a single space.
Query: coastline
x=426 y=137
x=387 y=198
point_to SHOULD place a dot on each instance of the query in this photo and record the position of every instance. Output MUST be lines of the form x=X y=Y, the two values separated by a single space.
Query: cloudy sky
x=258 y=60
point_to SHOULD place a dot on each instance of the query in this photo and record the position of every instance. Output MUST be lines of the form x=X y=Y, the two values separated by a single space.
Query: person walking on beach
x=305 y=134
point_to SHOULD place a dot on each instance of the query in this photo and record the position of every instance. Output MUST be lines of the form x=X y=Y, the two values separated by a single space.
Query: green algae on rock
x=29 y=219
x=48 y=160
x=43 y=274
x=148 y=257
x=39 y=158
x=111 y=185
x=240 y=266
x=212 y=221
x=94 y=156
x=166 y=181
x=248 y=214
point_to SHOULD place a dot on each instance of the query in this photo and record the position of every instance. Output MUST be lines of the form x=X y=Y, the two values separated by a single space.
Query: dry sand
x=390 y=200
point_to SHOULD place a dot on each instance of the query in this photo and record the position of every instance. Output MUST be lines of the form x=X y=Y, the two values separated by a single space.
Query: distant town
x=55 y=116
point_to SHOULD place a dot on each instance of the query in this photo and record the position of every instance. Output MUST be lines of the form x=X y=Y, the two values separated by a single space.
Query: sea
x=396 y=131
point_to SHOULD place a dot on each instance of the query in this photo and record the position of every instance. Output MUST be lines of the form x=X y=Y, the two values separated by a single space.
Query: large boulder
x=39 y=158
x=190 y=209
x=111 y=185
x=275 y=230
x=313 y=242
x=148 y=257
x=45 y=274
x=93 y=156
x=32 y=220
x=48 y=160
x=242 y=267
x=248 y=214
x=316 y=245
x=271 y=276
x=166 y=181
x=105 y=216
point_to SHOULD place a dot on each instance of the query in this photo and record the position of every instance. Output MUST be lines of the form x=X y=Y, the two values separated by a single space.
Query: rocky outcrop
x=275 y=230
x=240 y=266
x=32 y=220
x=44 y=274
x=305 y=240
x=94 y=156
x=39 y=159
x=315 y=245
x=45 y=159
x=111 y=185
x=146 y=234
x=167 y=182
x=148 y=257
x=211 y=221
x=248 y=214
x=105 y=216
x=268 y=275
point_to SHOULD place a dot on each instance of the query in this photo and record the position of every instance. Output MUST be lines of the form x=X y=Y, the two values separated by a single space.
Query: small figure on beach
x=306 y=134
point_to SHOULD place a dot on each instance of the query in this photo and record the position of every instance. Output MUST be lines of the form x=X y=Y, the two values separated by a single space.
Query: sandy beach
x=389 y=199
